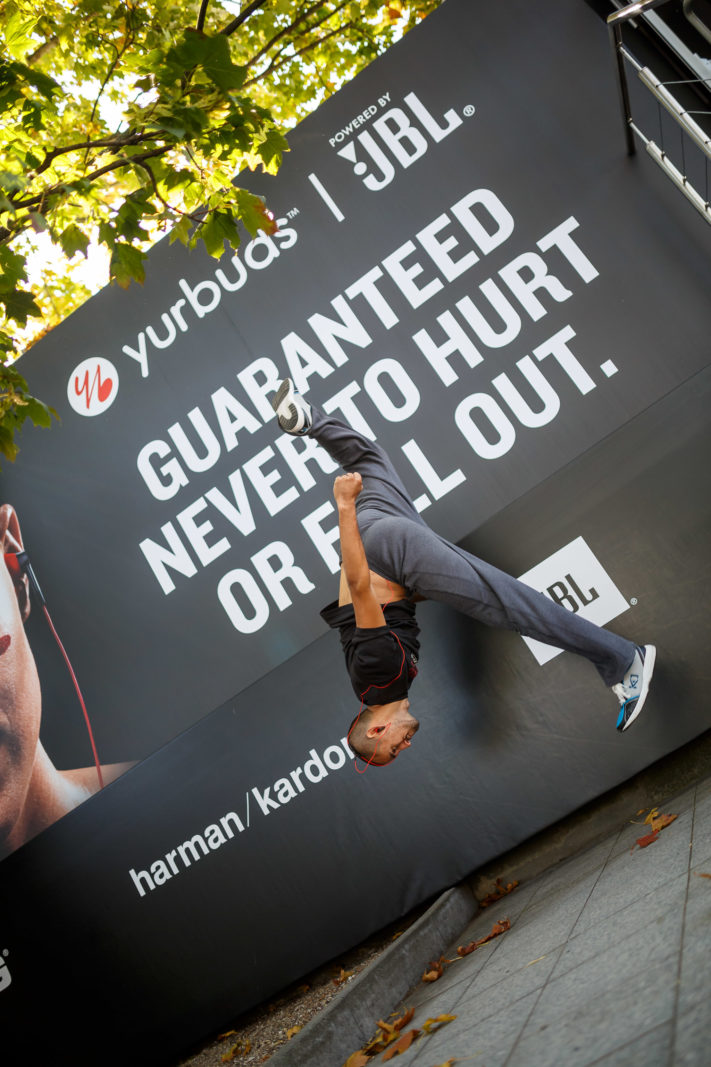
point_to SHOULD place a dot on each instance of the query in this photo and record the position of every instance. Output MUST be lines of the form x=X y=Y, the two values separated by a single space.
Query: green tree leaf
x=218 y=228
x=19 y=305
x=270 y=150
x=18 y=34
x=39 y=222
x=12 y=269
x=41 y=82
x=73 y=240
x=219 y=66
x=8 y=445
x=254 y=213
x=39 y=413
x=181 y=231
x=127 y=265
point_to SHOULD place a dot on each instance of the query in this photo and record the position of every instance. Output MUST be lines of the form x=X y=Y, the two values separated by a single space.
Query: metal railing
x=666 y=99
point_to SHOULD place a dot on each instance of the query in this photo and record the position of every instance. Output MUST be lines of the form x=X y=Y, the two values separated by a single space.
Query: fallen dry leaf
x=385 y=1035
x=402 y=1045
x=436 y=970
x=402 y=1022
x=449 y=1063
x=291 y=1031
x=658 y=823
x=357 y=1059
x=343 y=977
x=227 y=1033
x=662 y=821
x=648 y=839
x=702 y=874
x=430 y=1026
x=242 y=1048
x=498 y=928
x=500 y=891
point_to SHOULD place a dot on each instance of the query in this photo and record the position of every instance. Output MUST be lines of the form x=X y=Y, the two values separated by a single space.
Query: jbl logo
x=574 y=578
x=569 y=594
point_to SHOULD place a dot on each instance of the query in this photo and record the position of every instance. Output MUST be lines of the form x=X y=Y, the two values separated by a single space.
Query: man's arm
x=368 y=612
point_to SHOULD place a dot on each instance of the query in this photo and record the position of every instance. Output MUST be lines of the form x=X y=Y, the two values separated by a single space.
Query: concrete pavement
x=607 y=960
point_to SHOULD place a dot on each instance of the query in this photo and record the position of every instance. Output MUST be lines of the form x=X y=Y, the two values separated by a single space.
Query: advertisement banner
x=470 y=271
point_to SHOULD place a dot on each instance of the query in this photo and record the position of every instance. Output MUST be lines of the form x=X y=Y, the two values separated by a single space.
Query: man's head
x=380 y=733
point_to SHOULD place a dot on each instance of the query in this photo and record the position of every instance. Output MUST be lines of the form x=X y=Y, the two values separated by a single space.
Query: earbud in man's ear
x=18 y=563
x=13 y=564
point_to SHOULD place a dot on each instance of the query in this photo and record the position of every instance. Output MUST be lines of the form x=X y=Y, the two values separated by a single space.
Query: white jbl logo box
x=575 y=578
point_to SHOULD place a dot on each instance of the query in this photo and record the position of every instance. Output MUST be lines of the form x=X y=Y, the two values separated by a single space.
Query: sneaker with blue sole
x=293 y=413
x=632 y=690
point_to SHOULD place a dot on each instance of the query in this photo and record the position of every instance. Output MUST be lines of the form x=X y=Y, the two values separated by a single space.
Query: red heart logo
x=104 y=388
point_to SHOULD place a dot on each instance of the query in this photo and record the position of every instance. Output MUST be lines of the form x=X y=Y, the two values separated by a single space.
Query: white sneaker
x=293 y=413
x=632 y=690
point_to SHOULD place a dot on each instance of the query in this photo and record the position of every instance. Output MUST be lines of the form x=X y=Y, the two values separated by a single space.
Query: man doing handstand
x=391 y=558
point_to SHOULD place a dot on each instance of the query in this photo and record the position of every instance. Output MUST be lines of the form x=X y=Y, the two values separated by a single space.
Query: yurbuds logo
x=93 y=386
x=5 y=977
x=575 y=579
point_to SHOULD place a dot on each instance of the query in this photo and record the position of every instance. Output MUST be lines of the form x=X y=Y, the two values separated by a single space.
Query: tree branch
x=122 y=161
x=327 y=16
x=242 y=17
x=309 y=29
x=9 y=234
x=119 y=52
x=287 y=29
x=106 y=142
x=50 y=43
x=127 y=161
x=201 y=16
x=300 y=52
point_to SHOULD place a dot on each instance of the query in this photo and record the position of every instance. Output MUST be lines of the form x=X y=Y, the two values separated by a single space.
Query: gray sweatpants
x=399 y=545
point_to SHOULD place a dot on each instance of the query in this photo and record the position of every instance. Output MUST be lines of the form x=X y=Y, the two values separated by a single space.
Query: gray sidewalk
x=607 y=960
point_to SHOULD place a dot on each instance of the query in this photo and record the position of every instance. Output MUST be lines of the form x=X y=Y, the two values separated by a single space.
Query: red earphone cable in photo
x=18 y=563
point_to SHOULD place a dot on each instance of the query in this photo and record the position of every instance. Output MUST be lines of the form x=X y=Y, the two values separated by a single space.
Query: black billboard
x=469 y=270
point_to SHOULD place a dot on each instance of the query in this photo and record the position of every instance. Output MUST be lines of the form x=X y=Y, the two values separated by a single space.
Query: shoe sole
x=287 y=422
x=650 y=658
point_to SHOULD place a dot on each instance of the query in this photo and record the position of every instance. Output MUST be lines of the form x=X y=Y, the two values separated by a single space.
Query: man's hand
x=346 y=488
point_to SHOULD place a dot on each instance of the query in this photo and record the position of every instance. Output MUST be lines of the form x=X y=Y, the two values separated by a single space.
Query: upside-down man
x=390 y=558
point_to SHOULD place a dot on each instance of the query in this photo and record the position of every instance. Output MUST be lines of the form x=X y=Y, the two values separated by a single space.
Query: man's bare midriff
x=383 y=590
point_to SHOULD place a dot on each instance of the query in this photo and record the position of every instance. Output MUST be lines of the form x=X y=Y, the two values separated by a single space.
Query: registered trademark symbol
x=6 y=952
x=469 y=110
x=633 y=600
